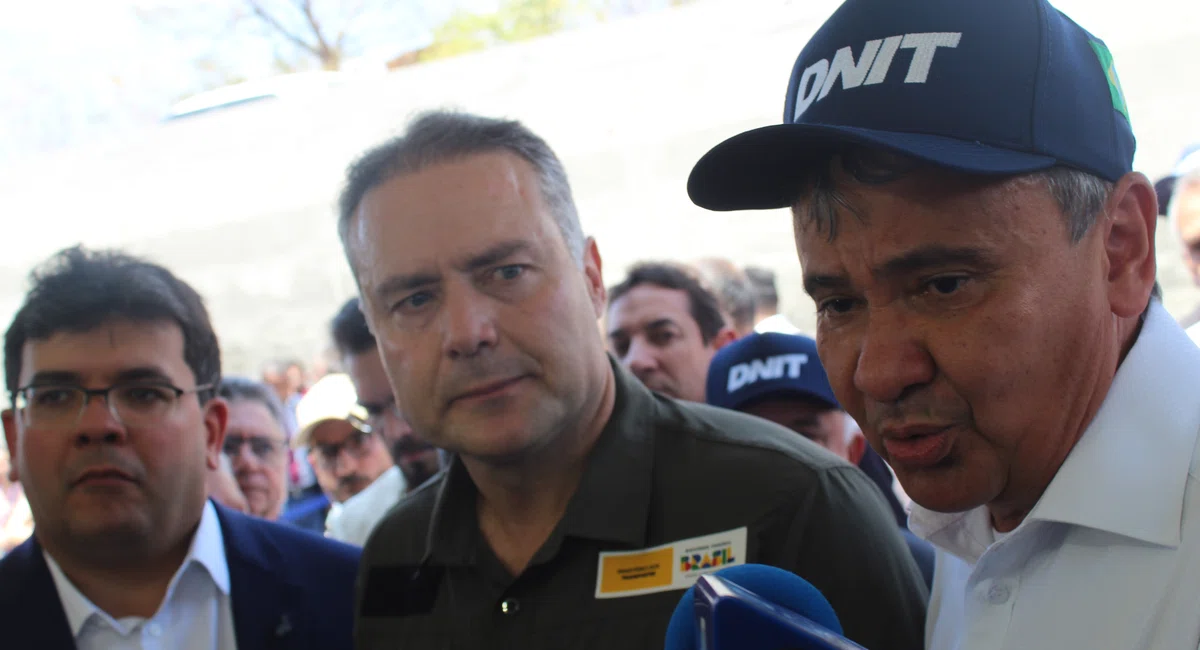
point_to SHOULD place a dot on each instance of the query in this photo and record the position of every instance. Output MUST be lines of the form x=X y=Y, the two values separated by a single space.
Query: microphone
x=755 y=607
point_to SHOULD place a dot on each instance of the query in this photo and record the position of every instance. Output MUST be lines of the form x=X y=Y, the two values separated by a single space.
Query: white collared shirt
x=195 y=614
x=358 y=515
x=1109 y=557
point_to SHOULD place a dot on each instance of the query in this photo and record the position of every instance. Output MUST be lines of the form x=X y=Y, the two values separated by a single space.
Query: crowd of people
x=990 y=440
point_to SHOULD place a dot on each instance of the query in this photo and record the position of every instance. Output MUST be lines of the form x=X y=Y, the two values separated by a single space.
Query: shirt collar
x=207 y=550
x=1128 y=472
x=610 y=504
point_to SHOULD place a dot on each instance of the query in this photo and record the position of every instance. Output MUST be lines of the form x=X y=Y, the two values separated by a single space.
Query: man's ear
x=1128 y=232
x=216 y=417
x=856 y=449
x=9 y=417
x=724 y=337
x=594 y=276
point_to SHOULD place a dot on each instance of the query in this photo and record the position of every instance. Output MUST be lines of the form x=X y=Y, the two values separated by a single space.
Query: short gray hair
x=1081 y=196
x=441 y=136
x=234 y=389
x=732 y=288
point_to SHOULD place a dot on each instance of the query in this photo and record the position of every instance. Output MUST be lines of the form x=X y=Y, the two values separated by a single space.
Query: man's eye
x=661 y=338
x=52 y=396
x=947 y=285
x=836 y=305
x=510 y=271
x=415 y=301
x=144 y=394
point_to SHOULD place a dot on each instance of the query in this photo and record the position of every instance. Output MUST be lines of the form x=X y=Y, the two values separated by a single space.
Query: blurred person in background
x=766 y=302
x=982 y=258
x=417 y=459
x=223 y=487
x=256 y=444
x=112 y=365
x=735 y=294
x=665 y=325
x=779 y=377
x=351 y=460
x=16 y=520
x=483 y=294
x=1181 y=190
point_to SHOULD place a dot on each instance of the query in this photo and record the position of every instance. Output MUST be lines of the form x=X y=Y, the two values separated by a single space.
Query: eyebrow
x=401 y=283
x=652 y=325
x=914 y=261
x=143 y=373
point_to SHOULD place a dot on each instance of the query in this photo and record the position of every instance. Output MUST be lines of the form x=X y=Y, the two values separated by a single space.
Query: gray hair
x=1081 y=196
x=235 y=389
x=441 y=136
x=733 y=289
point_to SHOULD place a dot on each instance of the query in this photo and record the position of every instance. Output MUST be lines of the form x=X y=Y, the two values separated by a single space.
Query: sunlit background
x=212 y=136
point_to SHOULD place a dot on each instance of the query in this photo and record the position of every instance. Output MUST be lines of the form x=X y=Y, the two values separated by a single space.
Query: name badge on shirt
x=669 y=567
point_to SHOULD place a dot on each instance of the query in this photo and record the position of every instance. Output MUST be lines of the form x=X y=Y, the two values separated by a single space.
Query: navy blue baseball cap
x=996 y=87
x=767 y=364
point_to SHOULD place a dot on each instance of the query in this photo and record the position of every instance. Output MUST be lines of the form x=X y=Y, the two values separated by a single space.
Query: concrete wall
x=241 y=203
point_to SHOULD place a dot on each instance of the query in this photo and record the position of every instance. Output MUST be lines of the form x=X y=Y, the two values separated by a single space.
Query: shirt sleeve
x=849 y=547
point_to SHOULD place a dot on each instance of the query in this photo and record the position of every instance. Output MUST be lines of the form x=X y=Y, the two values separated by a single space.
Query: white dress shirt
x=195 y=614
x=358 y=515
x=1194 y=332
x=1109 y=557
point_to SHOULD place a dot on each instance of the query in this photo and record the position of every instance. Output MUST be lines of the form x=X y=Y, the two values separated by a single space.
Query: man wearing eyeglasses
x=351 y=461
x=111 y=365
x=256 y=445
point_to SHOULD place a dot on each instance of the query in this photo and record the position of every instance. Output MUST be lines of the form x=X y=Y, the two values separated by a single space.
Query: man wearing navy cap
x=982 y=259
x=778 y=377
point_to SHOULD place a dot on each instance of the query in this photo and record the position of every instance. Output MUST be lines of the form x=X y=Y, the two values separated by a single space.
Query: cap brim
x=761 y=169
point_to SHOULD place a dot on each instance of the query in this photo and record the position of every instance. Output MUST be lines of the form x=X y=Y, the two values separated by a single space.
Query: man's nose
x=468 y=320
x=641 y=358
x=99 y=423
x=892 y=357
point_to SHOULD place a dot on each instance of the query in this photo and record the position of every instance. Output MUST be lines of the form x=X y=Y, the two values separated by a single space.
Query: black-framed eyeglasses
x=265 y=449
x=133 y=403
x=357 y=444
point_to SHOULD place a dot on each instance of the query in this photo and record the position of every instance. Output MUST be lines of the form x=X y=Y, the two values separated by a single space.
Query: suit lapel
x=27 y=594
x=264 y=601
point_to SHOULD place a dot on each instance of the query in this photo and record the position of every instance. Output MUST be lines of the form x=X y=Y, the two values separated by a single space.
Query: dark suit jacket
x=289 y=590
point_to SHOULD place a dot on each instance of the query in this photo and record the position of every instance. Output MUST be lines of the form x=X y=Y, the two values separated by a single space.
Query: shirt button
x=154 y=629
x=510 y=606
x=998 y=594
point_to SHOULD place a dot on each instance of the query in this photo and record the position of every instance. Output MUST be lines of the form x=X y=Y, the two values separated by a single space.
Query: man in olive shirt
x=578 y=505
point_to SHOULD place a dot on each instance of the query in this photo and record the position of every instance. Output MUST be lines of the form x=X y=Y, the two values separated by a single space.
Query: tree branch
x=325 y=51
x=270 y=20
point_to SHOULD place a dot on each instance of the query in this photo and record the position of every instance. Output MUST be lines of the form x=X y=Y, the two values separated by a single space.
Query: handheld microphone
x=755 y=607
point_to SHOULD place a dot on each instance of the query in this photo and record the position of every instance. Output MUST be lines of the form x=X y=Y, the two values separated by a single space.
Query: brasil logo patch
x=1110 y=72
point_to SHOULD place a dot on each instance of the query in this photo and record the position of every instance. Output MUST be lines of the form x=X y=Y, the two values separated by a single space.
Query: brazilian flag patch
x=1110 y=72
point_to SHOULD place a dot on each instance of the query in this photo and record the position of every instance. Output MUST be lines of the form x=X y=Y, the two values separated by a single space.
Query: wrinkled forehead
x=448 y=212
x=925 y=209
x=252 y=418
x=115 y=350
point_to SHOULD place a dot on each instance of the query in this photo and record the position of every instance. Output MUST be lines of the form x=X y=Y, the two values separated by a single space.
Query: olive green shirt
x=661 y=471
